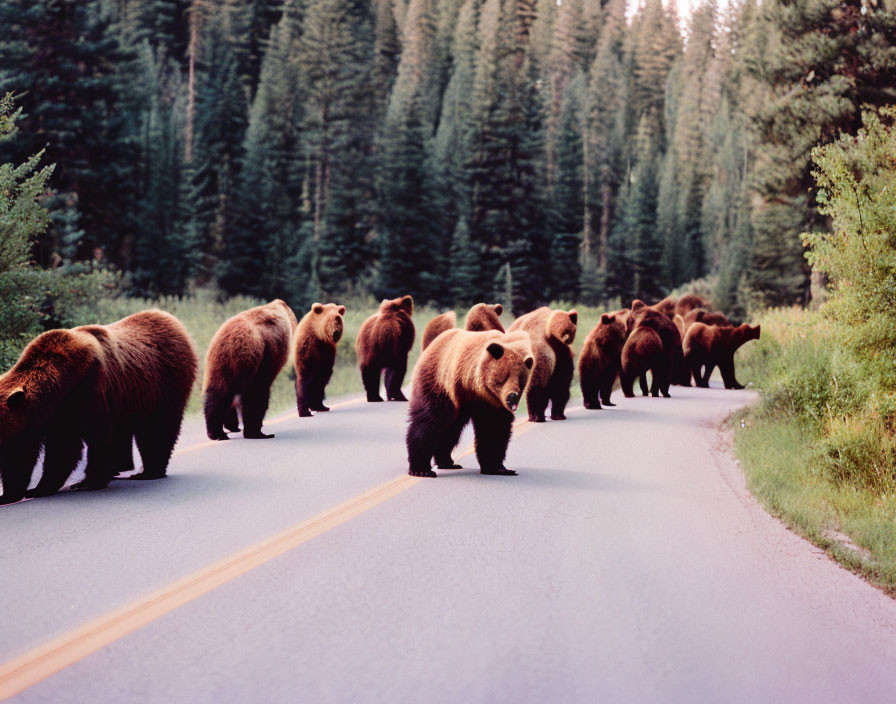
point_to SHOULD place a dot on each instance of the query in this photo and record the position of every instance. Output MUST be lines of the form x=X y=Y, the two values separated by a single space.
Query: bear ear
x=16 y=399
x=607 y=319
x=408 y=304
x=574 y=316
x=700 y=314
x=637 y=304
x=341 y=310
x=498 y=309
x=529 y=361
x=495 y=350
x=317 y=308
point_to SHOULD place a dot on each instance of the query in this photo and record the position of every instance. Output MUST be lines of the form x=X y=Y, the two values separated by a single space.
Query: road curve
x=627 y=562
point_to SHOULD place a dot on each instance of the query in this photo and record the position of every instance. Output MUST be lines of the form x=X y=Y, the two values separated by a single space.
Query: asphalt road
x=626 y=563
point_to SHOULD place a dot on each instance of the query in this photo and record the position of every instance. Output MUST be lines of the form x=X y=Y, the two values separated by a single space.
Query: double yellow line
x=48 y=659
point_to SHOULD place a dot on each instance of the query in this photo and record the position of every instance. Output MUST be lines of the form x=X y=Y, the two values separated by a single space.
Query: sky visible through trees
x=457 y=150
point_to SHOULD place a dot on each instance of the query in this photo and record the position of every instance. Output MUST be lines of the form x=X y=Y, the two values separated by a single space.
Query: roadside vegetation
x=820 y=449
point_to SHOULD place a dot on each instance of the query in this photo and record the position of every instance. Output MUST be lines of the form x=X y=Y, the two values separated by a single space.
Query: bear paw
x=305 y=413
x=374 y=399
x=536 y=419
x=257 y=435
x=449 y=465
x=218 y=436
x=592 y=406
x=499 y=471
x=422 y=473
x=321 y=408
x=88 y=485
x=607 y=403
x=146 y=476
x=398 y=397
x=558 y=416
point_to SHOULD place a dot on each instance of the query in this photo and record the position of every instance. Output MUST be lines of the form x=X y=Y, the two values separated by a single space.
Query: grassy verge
x=810 y=453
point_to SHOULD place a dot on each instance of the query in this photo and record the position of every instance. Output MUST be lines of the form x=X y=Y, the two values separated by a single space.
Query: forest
x=456 y=150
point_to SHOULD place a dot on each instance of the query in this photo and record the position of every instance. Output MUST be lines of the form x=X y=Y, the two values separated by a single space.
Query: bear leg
x=231 y=420
x=492 y=436
x=559 y=397
x=429 y=416
x=537 y=402
x=303 y=395
x=726 y=367
x=627 y=383
x=255 y=405
x=216 y=406
x=707 y=372
x=642 y=382
x=590 y=391
x=100 y=458
x=370 y=376
x=606 y=388
x=320 y=389
x=448 y=440
x=18 y=456
x=394 y=380
x=62 y=450
x=156 y=438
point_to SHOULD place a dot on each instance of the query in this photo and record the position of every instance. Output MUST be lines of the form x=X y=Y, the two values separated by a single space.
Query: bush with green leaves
x=33 y=299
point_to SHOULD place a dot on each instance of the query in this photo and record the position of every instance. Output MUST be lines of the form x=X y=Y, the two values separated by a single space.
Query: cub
x=601 y=357
x=314 y=349
x=552 y=332
x=244 y=357
x=384 y=341
x=714 y=346
x=100 y=385
x=643 y=352
x=463 y=376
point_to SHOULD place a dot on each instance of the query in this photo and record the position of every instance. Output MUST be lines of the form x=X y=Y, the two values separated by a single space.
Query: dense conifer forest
x=457 y=150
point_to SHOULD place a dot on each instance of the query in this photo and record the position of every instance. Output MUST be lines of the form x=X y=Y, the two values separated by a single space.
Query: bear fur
x=714 y=346
x=99 y=385
x=601 y=358
x=482 y=316
x=438 y=325
x=314 y=353
x=680 y=324
x=243 y=359
x=709 y=317
x=689 y=301
x=643 y=352
x=672 y=369
x=666 y=306
x=384 y=341
x=464 y=376
x=552 y=332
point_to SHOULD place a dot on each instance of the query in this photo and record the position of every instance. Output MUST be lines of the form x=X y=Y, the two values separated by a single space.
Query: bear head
x=612 y=328
x=562 y=326
x=744 y=333
x=505 y=368
x=484 y=316
x=327 y=321
x=395 y=306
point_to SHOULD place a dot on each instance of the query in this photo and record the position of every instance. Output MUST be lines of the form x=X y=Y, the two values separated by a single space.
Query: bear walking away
x=552 y=332
x=713 y=346
x=464 y=376
x=666 y=306
x=672 y=369
x=314 y=350
x=689 y=301
x=438 y=325
x=643 y=352
x=99 y=385
x=709 y=317
x=482 y=316
x=384 y=341
x=244 y=357
x=601 y=357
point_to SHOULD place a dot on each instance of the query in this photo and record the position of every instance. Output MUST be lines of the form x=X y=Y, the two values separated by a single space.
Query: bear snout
x=513 y=401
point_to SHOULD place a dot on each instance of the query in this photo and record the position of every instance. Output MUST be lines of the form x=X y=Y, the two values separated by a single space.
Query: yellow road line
x=36 y=665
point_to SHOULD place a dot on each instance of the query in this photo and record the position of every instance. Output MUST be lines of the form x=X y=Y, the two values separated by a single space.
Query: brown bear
x=244 y=357
x=672 y=370
x=712 y=346
x=601 y=356
x=708 y=317
x=666 y=306
x=384 y=341
x=99 y=385
x=552 y=332
x=643 y=352
x=314 y=353
x=482 y=316
x=438 y=325
x=689 y=301
x=680 y=324
x=463 y=376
